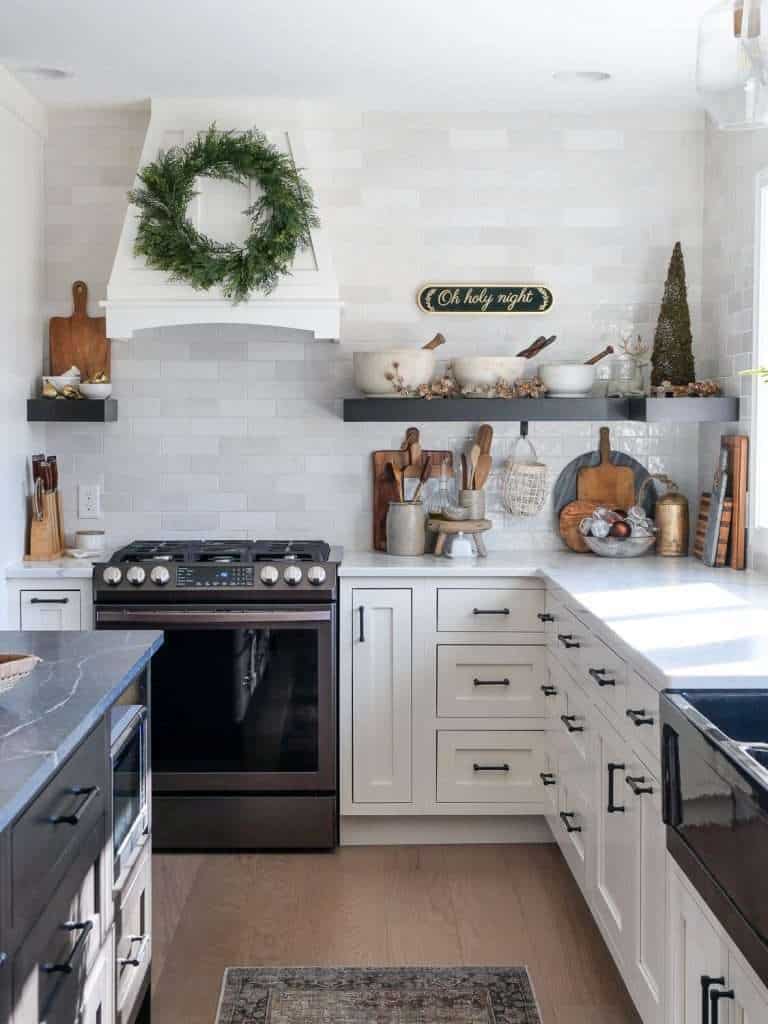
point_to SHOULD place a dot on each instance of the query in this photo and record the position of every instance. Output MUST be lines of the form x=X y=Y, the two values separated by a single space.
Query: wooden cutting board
x=605 y=483
x=570 y=517
x=79 y=340
x=724 y=531
x=385 y=488
x=738 y=461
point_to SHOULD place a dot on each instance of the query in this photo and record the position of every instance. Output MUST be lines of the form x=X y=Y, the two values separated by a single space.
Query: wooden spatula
x=397 y=475
x=483 y=471
x=484 y=438
x=606 y=484
x=436 y=342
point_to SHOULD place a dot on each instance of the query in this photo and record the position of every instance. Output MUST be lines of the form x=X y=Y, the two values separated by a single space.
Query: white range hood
x=139 y=298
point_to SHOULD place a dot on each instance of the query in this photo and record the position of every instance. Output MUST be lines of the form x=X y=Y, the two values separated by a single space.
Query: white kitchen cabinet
x=50 y=609
x=491 y=680
x=483 y=610
x=749 y=1004
x=491 y=767
x=55 y=602
x=382 y=654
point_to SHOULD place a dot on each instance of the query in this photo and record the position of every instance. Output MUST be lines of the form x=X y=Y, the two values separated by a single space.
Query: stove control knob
x=112 y=575
x=316 y=575
x=269 y=575
x=292 y=575
x=160 y=575
x=136 y=575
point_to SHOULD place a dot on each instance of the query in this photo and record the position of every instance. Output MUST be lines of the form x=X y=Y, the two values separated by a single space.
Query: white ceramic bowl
x=95 y=390
x=476 y=372
x=416 y=366
x=567 y=380
x=62 y=380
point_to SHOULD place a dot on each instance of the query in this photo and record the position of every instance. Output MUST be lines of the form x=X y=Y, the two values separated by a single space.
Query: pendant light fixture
x=732 y=63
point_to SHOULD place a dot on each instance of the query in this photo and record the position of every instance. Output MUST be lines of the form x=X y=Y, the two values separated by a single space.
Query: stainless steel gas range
x=244 y=690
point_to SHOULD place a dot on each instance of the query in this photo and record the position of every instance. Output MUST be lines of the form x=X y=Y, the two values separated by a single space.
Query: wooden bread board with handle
x=79 y=340
x=724 y=534
x=605 y=483
x=738 y=464
x=385 y=488
x=570 y=517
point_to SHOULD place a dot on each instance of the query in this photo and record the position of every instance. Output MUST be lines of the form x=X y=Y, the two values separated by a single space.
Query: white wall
x=238 y=431
x=22 y=131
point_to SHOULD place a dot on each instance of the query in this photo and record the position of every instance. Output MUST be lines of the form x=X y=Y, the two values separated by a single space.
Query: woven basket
x=14 y=667
x=526 y=482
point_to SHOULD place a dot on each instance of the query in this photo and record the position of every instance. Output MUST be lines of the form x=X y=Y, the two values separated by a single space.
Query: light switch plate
x=89 y=501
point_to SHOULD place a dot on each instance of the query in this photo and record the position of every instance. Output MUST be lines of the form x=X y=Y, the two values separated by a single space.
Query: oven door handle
x=171 y=616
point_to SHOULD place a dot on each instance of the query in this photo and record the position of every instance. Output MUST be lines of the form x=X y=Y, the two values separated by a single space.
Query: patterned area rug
x=377 y=995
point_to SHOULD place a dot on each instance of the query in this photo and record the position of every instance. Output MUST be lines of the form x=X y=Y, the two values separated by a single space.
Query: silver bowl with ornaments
x=616 y=547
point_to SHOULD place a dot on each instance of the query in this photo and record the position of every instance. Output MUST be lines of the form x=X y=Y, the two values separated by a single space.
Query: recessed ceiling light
x=44 y=71
x=581 y=76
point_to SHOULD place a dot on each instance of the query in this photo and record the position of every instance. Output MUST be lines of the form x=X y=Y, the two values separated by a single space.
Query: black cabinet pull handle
x=549 y=691
x=565 y=817
x=639 y=716
x=547 y=779
x=706 y=983
x=637 y=784
x=614 y=767
x=490 y=682
x=49 y=600
x=84 y=927
x=598 y=674
x=715 y=996
x=568 y=721
x=490 y=767
x=491 y=611
x=90 y=793
x=545 y=617
x=361 y=638
x=137 y=960
x=566 y=639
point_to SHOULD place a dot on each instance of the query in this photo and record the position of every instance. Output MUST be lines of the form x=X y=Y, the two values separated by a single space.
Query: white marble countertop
x=685 y=625
x=57 y=568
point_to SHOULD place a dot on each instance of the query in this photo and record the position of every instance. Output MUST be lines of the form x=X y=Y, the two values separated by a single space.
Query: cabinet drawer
x=489 y=611
x=641 y=712
x=572 y=829
x=603 y=673
x=50 y=609
x=133 y=950
x=575 y=723
x=49 y=833
x=490 y=767
x=491 y=681
x=566 y=638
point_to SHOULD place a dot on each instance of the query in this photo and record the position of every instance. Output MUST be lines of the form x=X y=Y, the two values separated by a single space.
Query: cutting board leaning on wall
x=79 y=340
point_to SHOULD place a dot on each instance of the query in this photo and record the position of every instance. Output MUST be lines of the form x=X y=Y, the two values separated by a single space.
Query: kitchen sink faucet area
x=385 y=601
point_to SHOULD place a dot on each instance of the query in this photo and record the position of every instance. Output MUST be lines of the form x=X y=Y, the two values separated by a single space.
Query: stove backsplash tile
x=236 y=432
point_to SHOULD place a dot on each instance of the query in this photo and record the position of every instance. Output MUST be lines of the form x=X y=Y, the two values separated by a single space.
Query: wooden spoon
x=474 y=455
x=483 y=471
x=607 y=351
x=411 y=437
x=397 y=474
x=425 y=471
x=436 y=342
x=485 y=438
x=464 y=473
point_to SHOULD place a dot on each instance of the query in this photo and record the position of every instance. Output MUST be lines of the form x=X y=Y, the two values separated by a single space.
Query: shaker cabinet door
x=697 y=956
x=382 y=648
x=50 y=609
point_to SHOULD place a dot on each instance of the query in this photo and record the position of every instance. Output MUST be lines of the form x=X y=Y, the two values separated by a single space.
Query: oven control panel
x=239 y=576
x=161 y=581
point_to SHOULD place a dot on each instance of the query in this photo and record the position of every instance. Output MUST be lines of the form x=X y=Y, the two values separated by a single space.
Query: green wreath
x=281 y=217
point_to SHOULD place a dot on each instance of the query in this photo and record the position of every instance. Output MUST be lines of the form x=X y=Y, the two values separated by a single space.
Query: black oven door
x=243 y=699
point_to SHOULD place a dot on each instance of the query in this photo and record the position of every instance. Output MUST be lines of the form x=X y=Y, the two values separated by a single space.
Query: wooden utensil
x=712 y=537
x=79 y=340
x=569 y=520
x=474 y=455
x=425 y=471
x=411 y=437
x=414 y=454
x=565 y=486
x=606 y=484
x=385 y=488
x=436 y=342
x=484 y=438
x=738 y=462
x=464 y=473
x=397 y=476
x=607 y=351
x=536 y=347
x=483 y=471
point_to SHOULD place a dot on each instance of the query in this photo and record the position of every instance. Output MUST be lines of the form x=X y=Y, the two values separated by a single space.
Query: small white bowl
x=473 y=373
x=62 y=380
x=567 y=380
x=95 y=390
x=373 y=370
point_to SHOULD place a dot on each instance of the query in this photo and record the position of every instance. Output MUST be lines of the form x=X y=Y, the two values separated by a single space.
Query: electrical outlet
x=89 y=501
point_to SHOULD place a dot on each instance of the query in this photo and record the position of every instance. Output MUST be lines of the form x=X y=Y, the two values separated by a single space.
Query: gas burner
x=152 y=551
x=291 y=550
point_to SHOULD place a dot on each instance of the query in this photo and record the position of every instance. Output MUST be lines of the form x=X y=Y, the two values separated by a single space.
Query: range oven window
x=128 y=785
x=237 y=700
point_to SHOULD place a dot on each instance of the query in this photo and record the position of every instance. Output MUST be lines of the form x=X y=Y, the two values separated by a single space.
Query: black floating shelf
x=71 y=410
x=458 y=410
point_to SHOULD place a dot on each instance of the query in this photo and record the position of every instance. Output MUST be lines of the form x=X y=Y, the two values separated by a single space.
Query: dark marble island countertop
x=45 y=715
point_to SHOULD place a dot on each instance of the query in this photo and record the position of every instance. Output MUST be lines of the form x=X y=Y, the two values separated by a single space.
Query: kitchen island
x=68 y=927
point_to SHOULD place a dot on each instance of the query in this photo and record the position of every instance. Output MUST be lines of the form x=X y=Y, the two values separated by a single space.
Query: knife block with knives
x=46 y=530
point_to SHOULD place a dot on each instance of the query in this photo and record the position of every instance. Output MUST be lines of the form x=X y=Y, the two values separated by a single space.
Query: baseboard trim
x=411 y=831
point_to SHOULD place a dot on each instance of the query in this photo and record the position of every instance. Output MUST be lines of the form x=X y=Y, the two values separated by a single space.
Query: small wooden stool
x=450 y=527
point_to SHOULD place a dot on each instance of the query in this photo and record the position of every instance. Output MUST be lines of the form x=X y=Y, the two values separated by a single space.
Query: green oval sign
x=484 y=298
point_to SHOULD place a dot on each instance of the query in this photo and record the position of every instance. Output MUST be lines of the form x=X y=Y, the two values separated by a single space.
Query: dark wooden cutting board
x=79 y=340
x=385 y=488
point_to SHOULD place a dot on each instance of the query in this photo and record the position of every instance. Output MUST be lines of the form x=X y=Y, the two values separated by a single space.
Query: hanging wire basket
x=526 y=480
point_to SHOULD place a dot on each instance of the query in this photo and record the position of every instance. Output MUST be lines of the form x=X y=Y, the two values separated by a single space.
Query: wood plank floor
x=439 y=905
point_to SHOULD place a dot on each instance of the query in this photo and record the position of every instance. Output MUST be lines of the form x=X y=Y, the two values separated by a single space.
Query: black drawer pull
x=568 y=721
x=491 y=611
x=90 y=793
x=565 y=817
x=84 y=927
x=639 y=716
x=566 y=639
x=614 y=808
x=138 y=959
x=547 y=779
x=49 y=600
x=545 y=617
x=490 y=682
x=637 y=784
x=715 y=996
x=549 y=691
x=490 y=767
x=361 y=637
x=598 y=674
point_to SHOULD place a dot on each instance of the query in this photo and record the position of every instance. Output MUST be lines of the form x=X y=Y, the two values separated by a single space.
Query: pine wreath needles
x=281 y=218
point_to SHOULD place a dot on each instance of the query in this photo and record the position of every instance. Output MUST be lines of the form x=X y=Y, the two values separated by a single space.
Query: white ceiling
x=412 y=54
